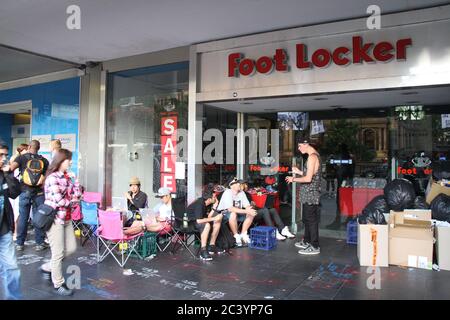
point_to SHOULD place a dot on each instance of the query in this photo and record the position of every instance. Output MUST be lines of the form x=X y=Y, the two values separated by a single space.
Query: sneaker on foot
x=204 y=255
x=238 y=239
x=20 y=247
x=46 y=275
x=280 y=237
x=63 y=291
x=302 y=244
x=41 y=247
x=285 y=232
x=245 y=238
x=214 y=250
x=310 y=250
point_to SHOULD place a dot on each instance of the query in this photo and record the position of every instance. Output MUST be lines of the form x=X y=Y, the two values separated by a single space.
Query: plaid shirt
x=59 y=189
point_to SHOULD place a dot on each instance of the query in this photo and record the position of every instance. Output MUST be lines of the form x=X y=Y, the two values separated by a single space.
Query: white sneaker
x=245 y=238
x=285 y=232
x=238 y=239
x=279 y=236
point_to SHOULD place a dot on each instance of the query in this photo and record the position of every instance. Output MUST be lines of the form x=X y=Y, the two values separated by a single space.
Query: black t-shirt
x=197 y=209
x=139 y=201
x=22 y=162
x=4 y=225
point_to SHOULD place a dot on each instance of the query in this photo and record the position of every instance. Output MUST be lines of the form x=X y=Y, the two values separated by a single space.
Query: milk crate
x=263 y=238
x=352 y=232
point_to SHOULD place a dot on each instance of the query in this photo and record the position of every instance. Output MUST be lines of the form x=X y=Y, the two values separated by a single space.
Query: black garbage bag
x=441 y=170
x=440 y=208
x=373 y=212
x=399 y=194
x=420 y=203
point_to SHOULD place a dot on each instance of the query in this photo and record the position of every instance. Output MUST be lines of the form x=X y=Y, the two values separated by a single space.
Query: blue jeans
x=27 y=199
x=9 y=270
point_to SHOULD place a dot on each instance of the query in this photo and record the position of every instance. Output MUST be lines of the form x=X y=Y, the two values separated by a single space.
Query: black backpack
x=225 y=239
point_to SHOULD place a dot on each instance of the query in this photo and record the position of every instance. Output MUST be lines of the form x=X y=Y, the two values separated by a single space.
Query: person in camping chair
x=163 y=216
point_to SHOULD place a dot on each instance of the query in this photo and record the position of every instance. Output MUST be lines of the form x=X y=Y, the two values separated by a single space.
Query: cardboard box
x=434 y=189
x=411 y=239
x=373 y=245
x=443 y=247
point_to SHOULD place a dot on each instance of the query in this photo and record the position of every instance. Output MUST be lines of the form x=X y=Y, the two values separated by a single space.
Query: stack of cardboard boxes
x=407 y=240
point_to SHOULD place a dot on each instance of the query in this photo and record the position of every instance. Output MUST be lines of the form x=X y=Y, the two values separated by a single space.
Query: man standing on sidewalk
x=9 y=188
x=309 y=197
x=32 y=168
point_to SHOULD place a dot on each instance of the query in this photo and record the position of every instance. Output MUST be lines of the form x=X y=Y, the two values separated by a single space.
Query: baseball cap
x=163 y=192
x=234 y=181
x=304 y=140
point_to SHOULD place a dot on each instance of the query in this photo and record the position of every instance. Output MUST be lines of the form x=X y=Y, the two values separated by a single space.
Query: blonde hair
x=56 y=144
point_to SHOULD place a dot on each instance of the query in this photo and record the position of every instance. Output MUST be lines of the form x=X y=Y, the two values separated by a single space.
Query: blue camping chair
x=89 y=222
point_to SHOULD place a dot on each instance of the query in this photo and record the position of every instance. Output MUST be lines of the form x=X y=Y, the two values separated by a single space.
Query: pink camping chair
x=92 y=197
x=110 y=234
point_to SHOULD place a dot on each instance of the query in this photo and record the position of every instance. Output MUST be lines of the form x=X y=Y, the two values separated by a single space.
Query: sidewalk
x=245 y=274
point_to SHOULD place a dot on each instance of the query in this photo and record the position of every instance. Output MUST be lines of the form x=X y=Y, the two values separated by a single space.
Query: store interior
x=15 y=124
x=365 y=139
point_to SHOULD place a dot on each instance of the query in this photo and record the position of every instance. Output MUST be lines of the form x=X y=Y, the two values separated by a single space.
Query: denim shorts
x=226 y=216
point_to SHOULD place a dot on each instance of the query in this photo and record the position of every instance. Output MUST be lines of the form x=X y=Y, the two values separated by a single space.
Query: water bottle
x=185 y=221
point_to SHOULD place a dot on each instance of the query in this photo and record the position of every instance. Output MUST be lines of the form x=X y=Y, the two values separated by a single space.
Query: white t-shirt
x=164 y=210
x=229 y=200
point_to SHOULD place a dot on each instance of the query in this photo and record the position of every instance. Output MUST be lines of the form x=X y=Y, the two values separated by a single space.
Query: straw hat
x=135 y=181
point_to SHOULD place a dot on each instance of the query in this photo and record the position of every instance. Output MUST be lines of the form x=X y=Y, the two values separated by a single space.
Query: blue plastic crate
x=263 y=238
x=352 y=232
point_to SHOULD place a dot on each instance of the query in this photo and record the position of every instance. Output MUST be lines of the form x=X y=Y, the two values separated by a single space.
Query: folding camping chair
x=110 y=234
x=77 y=219
x=92 y=197
x=89 y=222
x=183 y=237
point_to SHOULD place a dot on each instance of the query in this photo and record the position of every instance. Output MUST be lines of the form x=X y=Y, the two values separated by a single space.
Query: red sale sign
x=168 y=152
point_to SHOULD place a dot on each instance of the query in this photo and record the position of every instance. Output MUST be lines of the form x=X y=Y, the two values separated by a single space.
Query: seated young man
x=269 y=216
x=163 y=218
x=236 y=203
x=208 y=221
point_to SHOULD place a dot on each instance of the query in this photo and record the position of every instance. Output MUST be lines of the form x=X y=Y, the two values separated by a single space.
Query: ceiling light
x=320 y=98
x=247 y=102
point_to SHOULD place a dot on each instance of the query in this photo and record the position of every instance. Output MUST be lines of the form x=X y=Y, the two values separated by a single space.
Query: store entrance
x=15 y=124
x=362 y=147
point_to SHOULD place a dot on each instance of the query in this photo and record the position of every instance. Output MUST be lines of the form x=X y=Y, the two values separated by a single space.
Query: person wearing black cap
x=235 y=202
x=309 y=197
x=207 y=222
